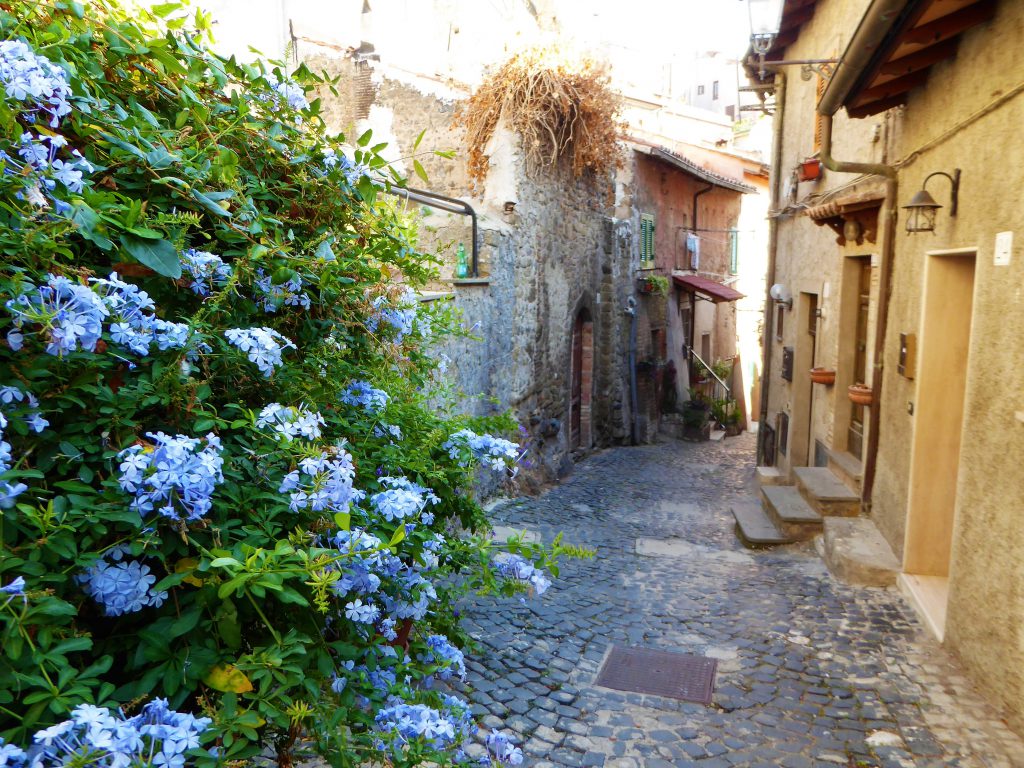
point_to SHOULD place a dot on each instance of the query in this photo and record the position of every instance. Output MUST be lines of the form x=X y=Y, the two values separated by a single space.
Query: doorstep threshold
x=929 y=595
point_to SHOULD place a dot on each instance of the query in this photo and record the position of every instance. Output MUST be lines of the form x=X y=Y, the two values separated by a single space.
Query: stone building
x=917 y=298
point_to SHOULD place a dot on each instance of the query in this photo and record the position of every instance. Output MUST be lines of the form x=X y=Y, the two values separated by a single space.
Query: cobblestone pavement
x=811 y=672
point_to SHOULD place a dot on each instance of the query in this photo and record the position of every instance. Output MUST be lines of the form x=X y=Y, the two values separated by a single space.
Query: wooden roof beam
x=920 y=60
x=951 y=25
x=891 y=88
x=866 y=110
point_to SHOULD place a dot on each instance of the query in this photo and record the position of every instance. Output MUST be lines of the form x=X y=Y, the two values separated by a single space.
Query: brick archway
x=582 y=381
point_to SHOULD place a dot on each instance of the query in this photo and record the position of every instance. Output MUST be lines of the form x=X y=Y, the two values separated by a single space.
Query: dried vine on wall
x=562 y=107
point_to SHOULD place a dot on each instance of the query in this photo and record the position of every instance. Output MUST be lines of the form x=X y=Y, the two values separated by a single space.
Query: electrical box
x=1004 y=249
x=908 y=355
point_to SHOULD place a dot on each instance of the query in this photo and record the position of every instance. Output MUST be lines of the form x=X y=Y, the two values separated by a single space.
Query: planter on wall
x=823 y=376
x=861 y=394
x=809 y=170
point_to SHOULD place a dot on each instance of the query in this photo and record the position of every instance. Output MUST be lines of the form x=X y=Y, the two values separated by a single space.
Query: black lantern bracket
x=954 y=183
x=922 y=206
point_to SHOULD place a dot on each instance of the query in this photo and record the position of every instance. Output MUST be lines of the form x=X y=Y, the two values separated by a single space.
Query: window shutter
x=734 y=252
x=647 y=241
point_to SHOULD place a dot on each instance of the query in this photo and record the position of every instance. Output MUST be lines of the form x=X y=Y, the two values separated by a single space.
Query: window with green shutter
x=734 y=252
x=647 y=241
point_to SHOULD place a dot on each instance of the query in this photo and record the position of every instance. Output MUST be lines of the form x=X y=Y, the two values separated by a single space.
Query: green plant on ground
x=232 y=482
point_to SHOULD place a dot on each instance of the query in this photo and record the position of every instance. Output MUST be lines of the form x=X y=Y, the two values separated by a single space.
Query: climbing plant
x=233 y=493
x=561 y=104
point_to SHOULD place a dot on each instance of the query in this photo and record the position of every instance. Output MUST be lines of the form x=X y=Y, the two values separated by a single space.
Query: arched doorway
x=582 y=381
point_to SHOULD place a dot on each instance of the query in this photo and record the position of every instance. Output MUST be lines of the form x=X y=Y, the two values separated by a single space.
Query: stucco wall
x=985 y=621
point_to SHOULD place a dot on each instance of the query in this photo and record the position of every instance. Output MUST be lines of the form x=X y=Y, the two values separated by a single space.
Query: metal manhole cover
x=660 y=673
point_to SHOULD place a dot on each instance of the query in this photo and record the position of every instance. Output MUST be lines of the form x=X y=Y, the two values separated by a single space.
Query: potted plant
x=696 y=424
x=861 y=394
x=651 y=284
x=823 y=376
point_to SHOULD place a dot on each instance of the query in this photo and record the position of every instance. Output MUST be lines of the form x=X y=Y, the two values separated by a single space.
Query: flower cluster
x=172 y=475
x=29 y=412
x=132 y=322
x=449 y=659
x=38 y=169
x=351 y=171
x=494 y=452
x=287 y=92
x=389 y=431
x=207 y=270
x=263 y=346
x=322 y=483
x=406 y=723
x=70 y=315
x=291 y=422
x=401 y=499
x=503 y=750
x=35 y=81
x=288 y=293
x=363 y=394
x=120 y=585
x=519 y=569
x=157 y=736
x=400 y=316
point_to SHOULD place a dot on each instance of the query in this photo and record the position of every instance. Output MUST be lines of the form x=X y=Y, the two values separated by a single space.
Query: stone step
x=790 y=512
x=856 y=552
x=826 y=492
x=755 y=528
x=846 y=467
x=769 y=476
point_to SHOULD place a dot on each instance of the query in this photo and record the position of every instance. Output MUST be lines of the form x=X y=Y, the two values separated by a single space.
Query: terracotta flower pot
x=861 y=394
x=823 y=376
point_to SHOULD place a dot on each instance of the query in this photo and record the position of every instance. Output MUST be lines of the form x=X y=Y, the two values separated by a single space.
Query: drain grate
x=660 y=673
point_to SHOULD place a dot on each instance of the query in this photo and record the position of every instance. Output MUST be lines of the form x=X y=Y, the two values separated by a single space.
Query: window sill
x=459 y=282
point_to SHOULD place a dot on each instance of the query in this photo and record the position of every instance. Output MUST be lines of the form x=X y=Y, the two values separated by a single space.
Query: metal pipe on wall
x=773 y=246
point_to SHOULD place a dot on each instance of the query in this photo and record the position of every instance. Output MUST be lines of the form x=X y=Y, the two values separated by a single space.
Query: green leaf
x=343 y=520
x=398 y=536
x=363 y=140
x=228 y=678
x=160 y=158
x=158 y=255
x=419 y=170
x=416 y=144
x=210 y=204
x=324 y=252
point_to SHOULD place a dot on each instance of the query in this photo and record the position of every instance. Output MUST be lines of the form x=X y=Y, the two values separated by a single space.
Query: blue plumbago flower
x=290 y=422
x=338 y=682
x=322 y=483
x=16 y=587
x=360 y=612
x=402 y=724
x=288 y=293
x=402 y=499
x=206 y=269
x=13 y=396
x=386 y=627
x=362 y=393
x=38 y=169
x=390 y=431
x=400 y=316
x=172 y=476
x=517 y=568
x=264 y=346
x=367 y=561
x=121 y=586
x=494 y=452
x=414 y=595
x=350 y=170
x=449 y=659
x=158 y=736
x=9 y=493
x=289 y=92
x=68 y=314
x=12 y=756
x=504 y=751
x=35 y=81
x=132 y=322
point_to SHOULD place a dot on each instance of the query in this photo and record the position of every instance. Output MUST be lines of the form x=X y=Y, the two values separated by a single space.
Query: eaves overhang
x=688 y=166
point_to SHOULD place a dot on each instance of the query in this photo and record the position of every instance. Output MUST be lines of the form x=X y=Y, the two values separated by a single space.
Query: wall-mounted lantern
x=781 y=295
x=922 y=206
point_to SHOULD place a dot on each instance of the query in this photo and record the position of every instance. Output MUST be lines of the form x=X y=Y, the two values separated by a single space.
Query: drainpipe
x=697 y=194
x=879 y=19
x=633 y=398
x=773 y=246
x=887 y=216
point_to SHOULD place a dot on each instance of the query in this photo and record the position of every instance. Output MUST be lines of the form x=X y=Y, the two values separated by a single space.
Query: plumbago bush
x=232 y=493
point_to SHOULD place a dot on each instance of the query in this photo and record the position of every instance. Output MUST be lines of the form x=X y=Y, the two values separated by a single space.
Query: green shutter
x=734 y=252
x=647 y=241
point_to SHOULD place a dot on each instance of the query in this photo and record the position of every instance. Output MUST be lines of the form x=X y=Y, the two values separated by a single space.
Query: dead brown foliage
x=562 y=107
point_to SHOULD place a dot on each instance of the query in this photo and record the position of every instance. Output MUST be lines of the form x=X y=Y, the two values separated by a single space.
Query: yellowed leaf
x=228 y=678
x=188 y=564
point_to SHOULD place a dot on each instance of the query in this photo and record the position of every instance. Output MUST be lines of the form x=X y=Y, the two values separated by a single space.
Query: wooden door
x=855 y=435
x=576 y=396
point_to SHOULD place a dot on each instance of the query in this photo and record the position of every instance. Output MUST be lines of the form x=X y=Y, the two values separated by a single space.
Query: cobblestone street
x=811 y=673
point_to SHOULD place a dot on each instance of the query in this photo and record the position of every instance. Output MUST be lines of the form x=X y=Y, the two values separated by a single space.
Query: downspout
x=633 y=397
x=697 y=194
x=887 y=216
x=773 y=246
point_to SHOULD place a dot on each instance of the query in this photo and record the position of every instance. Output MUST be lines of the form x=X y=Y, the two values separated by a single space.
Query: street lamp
x=922 y=207
x=765 y=20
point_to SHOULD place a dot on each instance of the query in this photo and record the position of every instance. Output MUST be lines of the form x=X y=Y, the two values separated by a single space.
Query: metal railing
x=715 y=388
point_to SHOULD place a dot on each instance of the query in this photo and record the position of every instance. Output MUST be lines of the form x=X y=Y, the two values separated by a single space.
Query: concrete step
x=755 y=528
x=790 y=512
x=846 y=467
x=826 y=492
x=769 y=476
x=856 y=552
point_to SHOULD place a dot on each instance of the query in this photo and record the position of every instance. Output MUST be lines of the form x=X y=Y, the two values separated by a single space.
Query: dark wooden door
x=855 y=436
x=576 y=398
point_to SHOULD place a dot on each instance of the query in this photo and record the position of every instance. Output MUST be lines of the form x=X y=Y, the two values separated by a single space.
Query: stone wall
x=551 y=254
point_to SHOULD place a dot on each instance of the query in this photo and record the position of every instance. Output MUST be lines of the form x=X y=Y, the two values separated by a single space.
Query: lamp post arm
x=954 y=183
